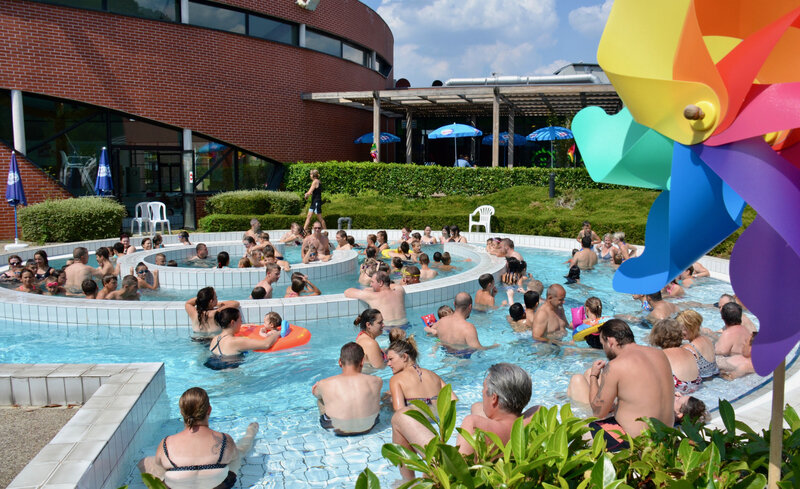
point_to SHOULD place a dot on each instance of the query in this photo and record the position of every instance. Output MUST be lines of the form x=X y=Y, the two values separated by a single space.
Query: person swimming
x=227 y=349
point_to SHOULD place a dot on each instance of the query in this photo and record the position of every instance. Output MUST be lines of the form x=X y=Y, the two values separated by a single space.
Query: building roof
x=526 y=100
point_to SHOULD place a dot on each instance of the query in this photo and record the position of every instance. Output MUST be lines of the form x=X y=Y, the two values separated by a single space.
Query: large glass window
x=254 y=172
x=384 y=68
x=323 y=43
x=203 y=15
x=90 y=4
x=150 y=9
x=127 y=131
x=273 y=30
x=354 y=54
x=6 y=131
x=213 y=165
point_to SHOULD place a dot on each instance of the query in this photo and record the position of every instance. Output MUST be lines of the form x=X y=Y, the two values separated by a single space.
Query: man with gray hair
x=506 y=392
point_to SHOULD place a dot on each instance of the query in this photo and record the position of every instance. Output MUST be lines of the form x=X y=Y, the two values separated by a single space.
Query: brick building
x=179 y=90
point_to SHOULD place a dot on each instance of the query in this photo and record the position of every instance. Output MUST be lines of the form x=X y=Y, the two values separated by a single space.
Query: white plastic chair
x=158 y=215
x=484 y=213
x=84 y=164
x=141 y=217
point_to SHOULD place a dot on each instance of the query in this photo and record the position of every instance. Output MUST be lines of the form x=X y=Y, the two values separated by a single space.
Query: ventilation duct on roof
x=523 y=80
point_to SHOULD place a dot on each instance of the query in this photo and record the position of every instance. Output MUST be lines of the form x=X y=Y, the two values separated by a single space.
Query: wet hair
x=383 y=278
x=172 y=263
x=298 y=284
x=691 y=322
x=367 y=316
x=531 y=299
x=586 y=241
x=397 y=262
x=402 y=346
x=248 y=239
x=203 y=303
x=444 y=311
x=157 y=240
x=351 y=354
x=195 y=406
x=423 y=259
x=227 y=316
x=667 y=333
x=351 y=240
x=108 y=278
x=454 y=231
x=655 y=296
x=118 y=247
x=129 y=281
x=273 y=318
x=370 y=252
x=223 y=259
x=513 y=265
x=268 y=252
x=404 y=247
x=145 y=240
x=511 y=384
x=79 y=252
x=694 y=410
x=618 y=259
x=617 y=329
x=462 y=301
x=102 y=251
x=89 y=287
x=594 y=305
x=382 y=236
x=731 y=314
x=485 y=279
x=516 y=311
x=258 y=293
x=437 y=256
x=200 y=246
x=43 y=254
x=446 y=258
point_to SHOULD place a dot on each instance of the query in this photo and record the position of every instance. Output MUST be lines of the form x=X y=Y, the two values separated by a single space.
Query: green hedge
x=422 y=181
x=254 y=202
x=69 y=220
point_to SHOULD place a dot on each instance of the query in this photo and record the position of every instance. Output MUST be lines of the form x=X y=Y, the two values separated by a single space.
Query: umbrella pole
x=776 y=426
x=455 y=150
x=16 y=233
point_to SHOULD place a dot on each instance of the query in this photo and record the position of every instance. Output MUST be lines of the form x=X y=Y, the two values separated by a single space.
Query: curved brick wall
x=241 y=90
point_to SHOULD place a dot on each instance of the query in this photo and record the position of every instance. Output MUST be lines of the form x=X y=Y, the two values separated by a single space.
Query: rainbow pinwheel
x=712 y=96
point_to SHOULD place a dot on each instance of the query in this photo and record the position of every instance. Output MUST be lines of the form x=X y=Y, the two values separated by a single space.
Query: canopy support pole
x=496 y=129
x=376 y=123
x=510 y=163
x=408 y=136
x=776 y=426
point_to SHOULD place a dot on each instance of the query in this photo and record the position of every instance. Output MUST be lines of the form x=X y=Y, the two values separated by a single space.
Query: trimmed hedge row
x=80 y=219
x=254 y=202
x=422 y=181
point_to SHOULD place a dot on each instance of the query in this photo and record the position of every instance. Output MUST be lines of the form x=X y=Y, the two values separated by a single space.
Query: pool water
x=274 y=389
x=291 y=254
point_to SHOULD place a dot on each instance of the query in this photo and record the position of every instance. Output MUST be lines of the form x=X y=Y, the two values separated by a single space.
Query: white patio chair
x=84 y=164
x=484 y=215
x=141 y=216
x=158 y=215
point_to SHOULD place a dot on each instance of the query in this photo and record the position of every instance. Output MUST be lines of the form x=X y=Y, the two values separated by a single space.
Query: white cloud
x=591 y=20
x=551 y=68
x=441 y=39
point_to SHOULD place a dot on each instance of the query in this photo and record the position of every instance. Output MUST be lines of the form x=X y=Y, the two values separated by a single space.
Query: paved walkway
x=25 y=431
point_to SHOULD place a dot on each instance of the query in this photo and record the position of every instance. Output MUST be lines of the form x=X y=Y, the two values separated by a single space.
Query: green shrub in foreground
x=254 y=202
x=79 y=219
x=418 y=180
x=550 y=452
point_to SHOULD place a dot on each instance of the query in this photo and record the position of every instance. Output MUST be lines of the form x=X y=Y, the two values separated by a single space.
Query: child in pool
x=445 y=266
x=484 y=298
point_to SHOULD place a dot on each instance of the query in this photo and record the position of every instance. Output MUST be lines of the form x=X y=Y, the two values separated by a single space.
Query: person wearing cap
x=549 y=321
x=586 y=258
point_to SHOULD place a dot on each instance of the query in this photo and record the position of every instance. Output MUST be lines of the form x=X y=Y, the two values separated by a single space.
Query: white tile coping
x=122 y=403
x=341 y=262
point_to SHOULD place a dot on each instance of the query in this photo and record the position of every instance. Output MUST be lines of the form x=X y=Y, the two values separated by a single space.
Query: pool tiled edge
x=121 y=402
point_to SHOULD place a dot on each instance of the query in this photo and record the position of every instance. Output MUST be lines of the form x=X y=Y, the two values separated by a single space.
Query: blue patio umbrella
x=385 y=138
x=15 y=194
x=211 y=147
x=550 y=133
x=519 y=140
x=103 y=186
x=455 y=131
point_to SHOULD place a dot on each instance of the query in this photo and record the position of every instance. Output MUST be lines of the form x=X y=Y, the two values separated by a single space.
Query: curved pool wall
x=170 y=315
x=341 y=262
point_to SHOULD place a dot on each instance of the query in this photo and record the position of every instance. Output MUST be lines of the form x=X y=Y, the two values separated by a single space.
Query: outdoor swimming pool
x=274 y=389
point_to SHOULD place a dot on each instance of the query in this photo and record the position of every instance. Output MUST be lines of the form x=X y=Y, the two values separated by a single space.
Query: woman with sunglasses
x=14 y=269
x=145 y=278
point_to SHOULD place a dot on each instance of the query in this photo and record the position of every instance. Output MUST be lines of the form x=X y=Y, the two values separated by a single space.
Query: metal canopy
x=529 y=100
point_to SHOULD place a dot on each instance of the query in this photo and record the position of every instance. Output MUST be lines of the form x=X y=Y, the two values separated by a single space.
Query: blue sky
x=441 y=39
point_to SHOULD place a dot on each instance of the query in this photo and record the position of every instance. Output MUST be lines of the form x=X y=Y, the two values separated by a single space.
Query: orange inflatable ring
x=297 y=336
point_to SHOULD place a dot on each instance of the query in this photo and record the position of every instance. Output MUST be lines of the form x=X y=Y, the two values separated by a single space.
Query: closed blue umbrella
x=103 y=186
x=385 y=138
x=15 y=194
x=455 y=131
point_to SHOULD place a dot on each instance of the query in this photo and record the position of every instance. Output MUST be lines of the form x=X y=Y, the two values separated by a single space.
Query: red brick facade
x=234 y=88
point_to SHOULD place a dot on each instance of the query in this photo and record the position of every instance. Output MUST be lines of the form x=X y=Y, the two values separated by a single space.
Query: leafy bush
x=416 y=180
x=68 y=220
x=254 y=202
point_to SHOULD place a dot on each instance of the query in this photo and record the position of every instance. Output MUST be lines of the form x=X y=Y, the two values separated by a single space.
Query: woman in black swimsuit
x=315 y=192
x=43 y=268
